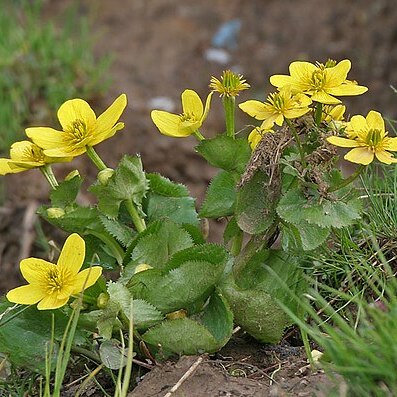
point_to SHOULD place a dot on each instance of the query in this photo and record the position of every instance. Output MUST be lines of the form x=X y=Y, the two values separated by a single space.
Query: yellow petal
x=358 y=123
x=279 y=119
x=86 y=278
x=76 y=110
x=255 y=109
x=342 y=142
x=67 y=151
x=26 y=295
x=35 y=270
x=107 y=120
x=207 y=106
x=336 y=75
x=191 y=104
x=347 y=89
x=302 y=100
x=254 y=138
x=301 y=71
x=375 y=121
x=323 y=97
x=72 y=254
x=45 y=137
x=294 y=113
x=168 y=123
x=390 y=144
x=6 y=169
x=280 y=80
x=106 y=134
x=385 y=157
x=52 y=302
x=360 y=155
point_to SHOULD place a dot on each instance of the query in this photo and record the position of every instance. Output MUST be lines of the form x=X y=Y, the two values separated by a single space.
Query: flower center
x=318 y=79
x=55 y=280
x=33 y=153
x=276 y=101
x=374 y=138
x=78 y=130
x=188 y=117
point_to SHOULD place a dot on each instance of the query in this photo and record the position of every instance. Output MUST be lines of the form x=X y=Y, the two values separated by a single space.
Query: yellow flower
x=369 y=140
x=80 y=128
x=52 y=285
x=25 y=155
x=229 y=85
x=187 y=123
x=333 y=115
x=256 y=135
x=319 y=81
x=279 y=105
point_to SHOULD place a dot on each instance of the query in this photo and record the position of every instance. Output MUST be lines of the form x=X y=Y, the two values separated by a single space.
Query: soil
x=160 y=48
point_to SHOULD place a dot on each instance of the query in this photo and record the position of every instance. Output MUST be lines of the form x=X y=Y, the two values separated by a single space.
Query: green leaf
x=295 y=208
x=207 y=332
x=255 y=311
x=25 y=338
x=178 y=209
x=164 y=187
x=66 y=193
x=182 y=336
x=118 y=230
x=145 y=315
x=159 y=243
x=231 y=230
x=220 y=197
x=112 y=354
x=127 y=183
x=226 y=153
x=255 y=207
x=302 y=236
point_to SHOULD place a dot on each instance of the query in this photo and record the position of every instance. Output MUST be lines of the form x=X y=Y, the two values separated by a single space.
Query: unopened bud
x=55 y=212
x=105 y=175
x=142 y=267
x=102 y=300
x=72 y=174
x=182 y=313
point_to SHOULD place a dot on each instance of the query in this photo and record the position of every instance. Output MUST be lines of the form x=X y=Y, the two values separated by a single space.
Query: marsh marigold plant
x=51 y=285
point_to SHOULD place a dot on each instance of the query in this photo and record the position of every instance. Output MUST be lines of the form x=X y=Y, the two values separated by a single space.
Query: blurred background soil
x=161 y=47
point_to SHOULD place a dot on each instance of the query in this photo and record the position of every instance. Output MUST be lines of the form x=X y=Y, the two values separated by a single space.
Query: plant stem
x=236 y=244
x=111 y=243
x=199 y=136
x=138 y=221
x=298 y=142
x=46 y=170
x=306 y=344
x=348 y=180
x=93 y=155
x=229 y=103
x=318 y=113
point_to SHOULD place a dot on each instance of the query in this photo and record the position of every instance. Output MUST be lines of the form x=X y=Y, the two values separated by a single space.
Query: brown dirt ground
x=159 y=48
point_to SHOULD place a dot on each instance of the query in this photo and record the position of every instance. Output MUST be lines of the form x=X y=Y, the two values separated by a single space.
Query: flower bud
x=142 y=267
x=54 y=213
x=102 y=300
x=105 y=175
x=72 y=174
x=182 y=313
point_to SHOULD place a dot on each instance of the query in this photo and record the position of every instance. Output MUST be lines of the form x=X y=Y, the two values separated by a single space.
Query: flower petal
x=191 y=104
x=45 y=137
x=35 y=270
x=207 y=107
x=255 y=109
x=107 y=120
x=342 y=142
x=347 y=89
x=26 y=295
x=168 y=123
x=390 y=144
x=52 y=302
x=375 y=121
x=337 y=74
x=385 y=157
x=323 y=97
x=297 y=112
x=280 y=80
x=301 y=71
x=73 y=110
x=86 y=278
x=358 y=123
x=72 y=254
x=106 y=134
x=6 y=169
x=66 y=151
x=360 y=155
